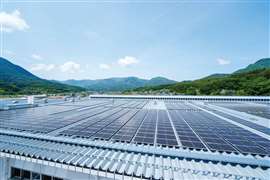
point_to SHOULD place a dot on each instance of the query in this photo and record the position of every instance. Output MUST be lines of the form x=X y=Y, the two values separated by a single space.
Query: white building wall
x=60 y=172
x=4 y=166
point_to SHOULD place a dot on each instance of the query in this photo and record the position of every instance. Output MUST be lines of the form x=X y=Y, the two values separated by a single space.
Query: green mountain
x=247 y=82
x=158 y=81
x=217 y=75
x=260 y=64
x=16 y=80
x=118 y=84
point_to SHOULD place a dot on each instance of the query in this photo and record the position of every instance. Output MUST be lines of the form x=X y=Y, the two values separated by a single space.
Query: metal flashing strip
x=187 y=97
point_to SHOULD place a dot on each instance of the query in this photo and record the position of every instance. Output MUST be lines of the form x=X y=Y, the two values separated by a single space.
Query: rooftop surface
x=161 y=135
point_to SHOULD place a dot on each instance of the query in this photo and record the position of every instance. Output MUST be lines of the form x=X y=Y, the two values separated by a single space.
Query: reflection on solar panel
x=245 y=143
x=186 y=135
x=241 y=121
x=82 y=129
x=127 y=132
x=165 y=133
x=245 y=122
x=178 y=123
x=178 y=105
x=43 y=119
x=256 y=109
x=110 y=129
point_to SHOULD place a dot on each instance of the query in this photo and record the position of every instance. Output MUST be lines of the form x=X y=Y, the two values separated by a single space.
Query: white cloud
x=67 y=67
x=37 y=57
x=222 y=61
x=127 y=61
x=104 y=66
x=12 y=21
x=70 y=67
x=43 y=67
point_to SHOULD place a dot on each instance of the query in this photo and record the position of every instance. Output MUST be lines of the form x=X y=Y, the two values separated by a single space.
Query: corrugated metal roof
x=128 y=163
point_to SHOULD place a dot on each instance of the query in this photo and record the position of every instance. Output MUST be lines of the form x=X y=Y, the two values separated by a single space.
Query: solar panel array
x=49 y=118
x=246 y=122
x=92 y=124
x=186 y=135
x=256 y=109
x=242 y=121
x=147 y=131
x=113 y=127
x=181 y=124
x=224 y=136
x=33 y=119
x=165 y=133
x=128 y=130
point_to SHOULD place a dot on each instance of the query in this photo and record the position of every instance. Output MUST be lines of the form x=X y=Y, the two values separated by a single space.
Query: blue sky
x=90 y=40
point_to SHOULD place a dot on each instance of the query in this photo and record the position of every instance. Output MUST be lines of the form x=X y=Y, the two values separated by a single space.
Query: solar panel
x=229 y=132
x=252 y=125
x=43 y=119
x=186 y=135
x=165 y=133
x=146 y=132
x=262 y=110
x=108 y=131
x=127 y=132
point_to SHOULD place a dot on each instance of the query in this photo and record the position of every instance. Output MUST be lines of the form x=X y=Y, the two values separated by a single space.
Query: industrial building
x=110 y=137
